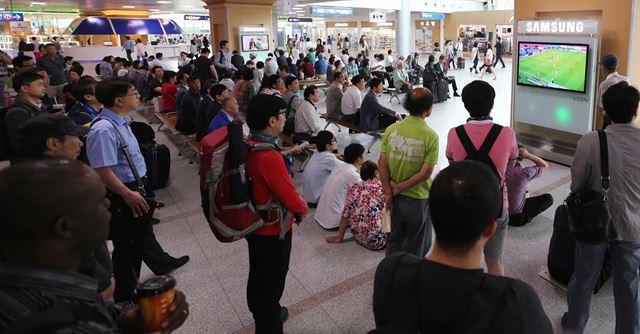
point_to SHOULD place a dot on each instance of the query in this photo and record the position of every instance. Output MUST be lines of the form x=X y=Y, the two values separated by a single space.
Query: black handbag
x=589 y=215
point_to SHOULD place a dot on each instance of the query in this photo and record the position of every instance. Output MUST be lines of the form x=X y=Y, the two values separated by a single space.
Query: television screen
x=555 y=66
x=258 y=42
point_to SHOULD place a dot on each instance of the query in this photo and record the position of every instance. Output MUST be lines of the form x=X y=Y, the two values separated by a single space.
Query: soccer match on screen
x=557 y=66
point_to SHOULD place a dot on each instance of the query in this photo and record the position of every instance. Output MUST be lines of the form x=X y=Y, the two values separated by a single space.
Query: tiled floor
x=329 y=287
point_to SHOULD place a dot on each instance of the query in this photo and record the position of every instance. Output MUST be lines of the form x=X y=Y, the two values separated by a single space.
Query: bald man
x=55 y=212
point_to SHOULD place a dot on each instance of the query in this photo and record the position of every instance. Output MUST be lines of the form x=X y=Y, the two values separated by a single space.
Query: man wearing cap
x=609 y=71
x=51 y=136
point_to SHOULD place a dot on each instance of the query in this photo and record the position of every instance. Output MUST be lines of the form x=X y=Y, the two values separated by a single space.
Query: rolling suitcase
x=442 y=91
x=460 y=63
x=158 y=162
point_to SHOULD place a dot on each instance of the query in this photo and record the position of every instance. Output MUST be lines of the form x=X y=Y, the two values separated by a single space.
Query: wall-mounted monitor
x=255 y=42
x=553 y=65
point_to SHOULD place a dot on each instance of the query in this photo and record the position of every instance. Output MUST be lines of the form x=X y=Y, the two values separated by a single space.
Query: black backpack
x=97 y=68
x=406 y=299
x=290 y=123
x=52 y=319
x=4 y=140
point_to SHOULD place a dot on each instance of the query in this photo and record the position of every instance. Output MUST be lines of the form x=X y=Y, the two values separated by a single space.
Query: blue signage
x=300 y=19
x=7 y=16
x=331 y=11
x=432 y=16
x=196 y=18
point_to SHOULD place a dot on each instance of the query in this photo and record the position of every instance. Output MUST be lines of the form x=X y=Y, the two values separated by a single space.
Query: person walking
x=499 y=52
x=488 y=63
x=128 y=46
x=474 y=58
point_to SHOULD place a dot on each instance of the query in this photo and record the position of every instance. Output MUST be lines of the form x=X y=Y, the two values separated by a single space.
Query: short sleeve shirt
x=408 y=145
x=103 y=147
x=504 y=149
x=316 y=174
x=517 y=179
x=612 y=79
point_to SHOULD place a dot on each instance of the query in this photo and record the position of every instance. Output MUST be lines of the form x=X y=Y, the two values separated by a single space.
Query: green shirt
x=408 y=145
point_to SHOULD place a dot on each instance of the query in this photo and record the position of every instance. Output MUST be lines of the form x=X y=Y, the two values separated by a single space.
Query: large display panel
x=255 y=42
x=552 y=65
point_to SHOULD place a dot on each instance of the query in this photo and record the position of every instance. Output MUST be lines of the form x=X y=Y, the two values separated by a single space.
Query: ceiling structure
x=281 y=7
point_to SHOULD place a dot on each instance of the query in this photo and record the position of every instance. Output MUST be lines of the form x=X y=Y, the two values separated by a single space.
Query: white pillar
x=403 y=34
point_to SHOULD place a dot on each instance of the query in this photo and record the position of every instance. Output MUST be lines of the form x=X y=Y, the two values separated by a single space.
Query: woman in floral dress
x=363 y=209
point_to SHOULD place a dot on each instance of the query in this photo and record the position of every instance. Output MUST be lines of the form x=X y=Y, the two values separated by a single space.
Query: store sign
x=427 y=24
x=20 y=26
x=432 y=16
x=351 y=24
x=377 y=17
x=331 y=11
x=196 y=18
x=7 y=16
x=564 y=27
x=299 y=19
x=253 y=29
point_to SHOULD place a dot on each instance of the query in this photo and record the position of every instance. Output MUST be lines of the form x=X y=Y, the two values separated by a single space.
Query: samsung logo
x=555 y=27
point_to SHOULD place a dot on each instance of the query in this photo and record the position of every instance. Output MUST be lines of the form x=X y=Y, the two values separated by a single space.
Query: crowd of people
x=57 y=116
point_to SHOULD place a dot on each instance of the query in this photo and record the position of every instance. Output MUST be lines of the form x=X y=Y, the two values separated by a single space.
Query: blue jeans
x=625 y=258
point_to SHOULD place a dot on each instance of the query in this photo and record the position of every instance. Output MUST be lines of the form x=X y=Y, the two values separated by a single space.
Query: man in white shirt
x=335 y=189
x=388 y=61
x=352 y=99
x=270 y=66
x=307 y=120
x=319 y=167
x=158 y=61
x=609 y=71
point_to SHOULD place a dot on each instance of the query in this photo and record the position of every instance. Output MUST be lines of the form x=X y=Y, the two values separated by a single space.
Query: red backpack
x=225 y=186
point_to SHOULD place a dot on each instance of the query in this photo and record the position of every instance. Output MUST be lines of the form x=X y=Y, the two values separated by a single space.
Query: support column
x=226 y=18
x=403 y=34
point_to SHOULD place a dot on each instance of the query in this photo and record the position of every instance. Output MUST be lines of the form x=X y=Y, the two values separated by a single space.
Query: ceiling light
x=39 y=3
x=129 y=7
x=163 y=2
x=154 y=10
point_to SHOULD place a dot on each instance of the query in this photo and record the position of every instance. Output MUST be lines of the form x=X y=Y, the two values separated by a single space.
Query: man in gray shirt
x=608 y=70
x=620 y=102
x=53 y=62
x=334 y=95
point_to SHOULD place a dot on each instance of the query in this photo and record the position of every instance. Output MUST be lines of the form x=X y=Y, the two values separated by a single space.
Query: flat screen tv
x=552 y=65
x=255 y=42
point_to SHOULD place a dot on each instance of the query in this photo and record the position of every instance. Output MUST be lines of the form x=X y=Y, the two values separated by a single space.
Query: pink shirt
x=504 y=149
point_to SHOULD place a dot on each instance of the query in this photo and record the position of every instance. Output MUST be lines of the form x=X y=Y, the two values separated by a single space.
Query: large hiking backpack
x=227 y=199
x=4 y=140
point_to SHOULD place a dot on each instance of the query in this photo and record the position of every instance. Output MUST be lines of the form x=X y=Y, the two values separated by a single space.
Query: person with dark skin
x=41 y=215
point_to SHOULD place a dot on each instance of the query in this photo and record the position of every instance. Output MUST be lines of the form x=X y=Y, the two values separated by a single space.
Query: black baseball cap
x=609 y=61
x=47 y=126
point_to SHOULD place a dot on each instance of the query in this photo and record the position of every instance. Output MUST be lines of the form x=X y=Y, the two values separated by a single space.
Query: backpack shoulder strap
x=483 y=305
x=471 y=150
x=491 y=138
x=604 y=159
x=289 y=105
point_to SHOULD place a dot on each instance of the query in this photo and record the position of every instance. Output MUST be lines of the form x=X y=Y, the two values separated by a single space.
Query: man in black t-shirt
x=499 y=52
x=449 y=291
x=204 y=66
x=155 y=82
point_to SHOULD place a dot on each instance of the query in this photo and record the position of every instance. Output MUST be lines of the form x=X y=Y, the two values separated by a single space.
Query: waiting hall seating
x=377 y=135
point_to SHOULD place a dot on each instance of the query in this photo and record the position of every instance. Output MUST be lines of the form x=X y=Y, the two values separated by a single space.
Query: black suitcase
x=442 y=91
x=562 y=246
x=158 y=160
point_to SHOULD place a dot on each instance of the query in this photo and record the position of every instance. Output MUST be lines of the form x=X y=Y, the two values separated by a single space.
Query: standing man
x=609 y=71
x=204 y=66
x=222 y=59
x=270 y=246
x=620 y=102
x=479 y=131
x=131 y=212
x=499 y=52
x=53 y=62
x=128 y=47
x=408 y=153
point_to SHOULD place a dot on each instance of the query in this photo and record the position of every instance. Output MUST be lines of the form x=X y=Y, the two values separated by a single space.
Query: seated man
x=522 y=209
x=335 y=189
x=334 y=95
x=448 y=291
x=226 y=115
x=186 y=118
x=430 y=76
x=442 y=75
x=373 y=115
x=218 y=93
x=307 y=119
x=319 y=167
x=203 y=106
x=401 y=78
x=58 y=207
x=352 y=100
x=363 y=210
x=51 y=136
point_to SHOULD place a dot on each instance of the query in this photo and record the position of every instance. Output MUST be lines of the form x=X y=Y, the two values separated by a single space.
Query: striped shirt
x=26 y=290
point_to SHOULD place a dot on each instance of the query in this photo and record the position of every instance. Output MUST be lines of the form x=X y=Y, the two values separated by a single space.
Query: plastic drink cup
x=155 y=296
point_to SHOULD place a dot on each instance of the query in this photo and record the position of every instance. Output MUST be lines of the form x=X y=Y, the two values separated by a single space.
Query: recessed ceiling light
x=163 y=2
x=129 y=7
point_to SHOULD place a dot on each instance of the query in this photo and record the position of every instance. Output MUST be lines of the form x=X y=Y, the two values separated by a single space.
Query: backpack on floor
x=562 y=251
x=229 y=208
